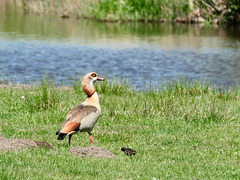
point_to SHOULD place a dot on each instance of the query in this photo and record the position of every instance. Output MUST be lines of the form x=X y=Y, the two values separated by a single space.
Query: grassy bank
x=200 y=11
x=182 y=131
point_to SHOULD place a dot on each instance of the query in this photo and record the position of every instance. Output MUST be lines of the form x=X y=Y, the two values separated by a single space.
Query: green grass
x=180 y=131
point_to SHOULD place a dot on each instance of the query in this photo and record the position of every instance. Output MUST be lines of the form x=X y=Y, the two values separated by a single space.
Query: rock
x=200 y=20
x=215 y=21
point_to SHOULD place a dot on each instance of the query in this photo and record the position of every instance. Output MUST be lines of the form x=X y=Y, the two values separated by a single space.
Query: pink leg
x=91 y=139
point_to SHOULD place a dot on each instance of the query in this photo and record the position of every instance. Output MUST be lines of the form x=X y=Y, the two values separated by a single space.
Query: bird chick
x=128 y=151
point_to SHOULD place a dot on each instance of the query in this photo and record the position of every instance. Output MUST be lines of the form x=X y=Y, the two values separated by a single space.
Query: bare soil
x=14 y=144
x=26 y=86
x=44 y=144
x=92 y=152
x=16 y=86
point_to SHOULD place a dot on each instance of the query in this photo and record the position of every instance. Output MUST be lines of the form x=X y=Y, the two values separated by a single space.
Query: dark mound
x=92 y=152
x=44 y=144
x=14 y=144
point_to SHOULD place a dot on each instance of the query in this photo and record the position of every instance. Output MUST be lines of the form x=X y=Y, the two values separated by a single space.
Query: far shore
x=181 y=11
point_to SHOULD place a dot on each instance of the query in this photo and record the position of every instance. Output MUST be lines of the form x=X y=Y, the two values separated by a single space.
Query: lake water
x=33 y=46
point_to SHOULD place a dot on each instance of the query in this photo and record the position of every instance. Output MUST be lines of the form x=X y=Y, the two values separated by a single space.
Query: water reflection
x=31 y=46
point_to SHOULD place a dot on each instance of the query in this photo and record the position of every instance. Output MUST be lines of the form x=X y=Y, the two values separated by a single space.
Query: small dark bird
x=128 y=151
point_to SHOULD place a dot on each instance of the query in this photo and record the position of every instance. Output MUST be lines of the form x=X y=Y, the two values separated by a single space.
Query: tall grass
x=63 y=8
x=183 y=130
x=45 y=99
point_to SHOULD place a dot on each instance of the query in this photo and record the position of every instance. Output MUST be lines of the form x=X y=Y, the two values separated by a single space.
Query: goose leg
x=69 y=139
x=91 y=138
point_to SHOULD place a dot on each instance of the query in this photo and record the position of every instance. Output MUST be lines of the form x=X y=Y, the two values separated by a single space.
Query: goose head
x=87 y=83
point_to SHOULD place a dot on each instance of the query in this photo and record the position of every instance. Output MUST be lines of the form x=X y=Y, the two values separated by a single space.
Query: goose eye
x=93 y=75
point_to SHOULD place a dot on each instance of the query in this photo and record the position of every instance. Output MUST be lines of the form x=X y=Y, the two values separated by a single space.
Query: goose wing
x=75 y=116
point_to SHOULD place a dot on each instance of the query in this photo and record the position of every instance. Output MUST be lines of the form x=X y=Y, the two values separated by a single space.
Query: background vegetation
x=180 y=131
x=208 y=11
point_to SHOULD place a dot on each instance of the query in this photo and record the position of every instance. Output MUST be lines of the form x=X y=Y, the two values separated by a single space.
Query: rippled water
x=34 y=46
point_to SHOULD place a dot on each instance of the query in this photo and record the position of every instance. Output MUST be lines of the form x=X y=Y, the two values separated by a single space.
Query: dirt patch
x=16 y=86
x=26 y=86
x=44 y=144
x=92 y=152
x=14 y=144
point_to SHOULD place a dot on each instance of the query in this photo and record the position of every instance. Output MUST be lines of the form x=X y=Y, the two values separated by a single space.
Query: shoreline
x=29 y=86
x=121 y=87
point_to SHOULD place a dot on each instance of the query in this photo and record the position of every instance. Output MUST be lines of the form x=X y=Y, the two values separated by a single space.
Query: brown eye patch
x=94 y=75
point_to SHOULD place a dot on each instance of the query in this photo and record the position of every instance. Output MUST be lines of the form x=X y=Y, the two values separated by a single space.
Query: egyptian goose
x=84 y=116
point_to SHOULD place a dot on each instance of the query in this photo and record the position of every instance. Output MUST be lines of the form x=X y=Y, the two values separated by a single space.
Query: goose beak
x=100 y=79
